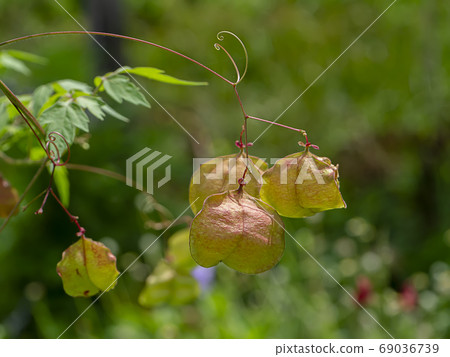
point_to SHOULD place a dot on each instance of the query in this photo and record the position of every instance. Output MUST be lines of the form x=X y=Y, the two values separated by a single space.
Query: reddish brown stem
x=116 y=36
x=49 y=188
x=74 y=219
x=278 y=124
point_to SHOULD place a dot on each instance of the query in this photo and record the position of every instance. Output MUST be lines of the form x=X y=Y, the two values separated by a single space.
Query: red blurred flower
x=408 y=297
x=363 y=290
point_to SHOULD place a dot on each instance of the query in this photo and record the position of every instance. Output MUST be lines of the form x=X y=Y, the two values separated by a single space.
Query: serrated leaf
x=120 y=88
x=87 y=268
x=78 y=117
x=108 y=110
x=70 y=85
x=40 y=96
x=93 y=104
x=61 y=179
x=159 y=75
x=56 y=119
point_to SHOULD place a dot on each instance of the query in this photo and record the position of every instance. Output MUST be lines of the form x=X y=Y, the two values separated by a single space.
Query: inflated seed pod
x=302 y=184
x=221 y=174
x=240 y=230
x=87 y=267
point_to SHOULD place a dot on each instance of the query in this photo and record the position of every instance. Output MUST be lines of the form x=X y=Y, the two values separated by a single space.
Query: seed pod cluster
x=242 y=227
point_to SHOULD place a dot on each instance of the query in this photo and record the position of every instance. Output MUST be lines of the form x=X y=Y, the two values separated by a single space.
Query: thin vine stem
x=49 y=188
x=278 y=124
x=107 y=34
x=74 y=219
x=97 y=170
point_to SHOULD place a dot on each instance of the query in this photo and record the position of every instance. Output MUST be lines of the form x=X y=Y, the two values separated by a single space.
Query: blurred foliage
x=381 y=112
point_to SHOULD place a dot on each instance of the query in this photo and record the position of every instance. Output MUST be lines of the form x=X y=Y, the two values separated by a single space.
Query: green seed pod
x=8 y=198
x=302 y=184
x=240 y=230
x=165 y=285
x=221 y=174
x=87 y=267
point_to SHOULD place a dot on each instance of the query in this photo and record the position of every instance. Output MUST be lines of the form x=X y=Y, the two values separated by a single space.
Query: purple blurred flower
x=204 y=276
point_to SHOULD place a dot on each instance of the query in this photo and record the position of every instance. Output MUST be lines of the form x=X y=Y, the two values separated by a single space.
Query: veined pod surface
x=221 y=174
x=87 y=267
x=302 y=184
x=240 y=230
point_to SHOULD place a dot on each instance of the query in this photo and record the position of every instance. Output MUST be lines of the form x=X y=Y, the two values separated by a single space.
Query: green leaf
x=71 y=85
x=158 y=75
x=61 y=179
x=9 y=62
x=108 y=110
x=93 y=104
x=50 y=101
x=26 y=56
x=120 y=88
x=78 y=117
x=37 y=154
x=98 y=81
x=64 y=118
x=40 y=96
x=4 y=118
x=56 y=119
x=86 y=268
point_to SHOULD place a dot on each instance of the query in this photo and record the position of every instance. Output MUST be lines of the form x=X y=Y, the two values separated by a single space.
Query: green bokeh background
x=381 y=112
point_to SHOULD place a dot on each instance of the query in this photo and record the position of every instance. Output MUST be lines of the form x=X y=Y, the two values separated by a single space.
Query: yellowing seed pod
x=87 y=267
x=221 y=174
x=240 y=230
x=302 y=184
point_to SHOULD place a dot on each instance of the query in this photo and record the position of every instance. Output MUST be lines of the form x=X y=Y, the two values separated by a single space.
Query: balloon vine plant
x=237 y=200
